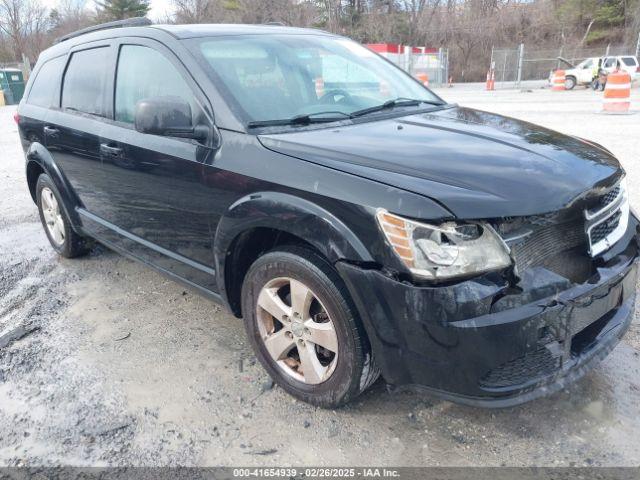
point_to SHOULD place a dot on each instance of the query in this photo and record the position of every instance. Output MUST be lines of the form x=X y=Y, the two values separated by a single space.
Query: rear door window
x=84 y=84
x=630 y=61
x=610 y=62
x=146 y=73
x=45 y=85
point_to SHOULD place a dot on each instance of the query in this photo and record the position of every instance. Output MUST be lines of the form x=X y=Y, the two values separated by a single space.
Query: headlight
x=446 y=251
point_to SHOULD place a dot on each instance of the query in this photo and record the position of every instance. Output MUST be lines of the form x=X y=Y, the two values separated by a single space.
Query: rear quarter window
x=45 y=86
x=83 y=88
x=630 y=61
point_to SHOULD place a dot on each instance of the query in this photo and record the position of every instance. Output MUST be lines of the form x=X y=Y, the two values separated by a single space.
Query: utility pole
x=26 y=67
x=408 y=50
x=440 y=65
x=638 y=46
x=520 y=61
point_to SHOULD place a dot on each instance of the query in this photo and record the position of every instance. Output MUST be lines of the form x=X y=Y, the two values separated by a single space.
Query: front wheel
x=304 y=330
x=569 y=83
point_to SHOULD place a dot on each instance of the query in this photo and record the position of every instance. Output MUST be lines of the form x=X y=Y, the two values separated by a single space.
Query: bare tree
x=197 y=11
x=289 y=12
x=70 y=15
x=25 y=24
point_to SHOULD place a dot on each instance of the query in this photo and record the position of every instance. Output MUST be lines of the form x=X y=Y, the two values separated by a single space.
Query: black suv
x=357 y=222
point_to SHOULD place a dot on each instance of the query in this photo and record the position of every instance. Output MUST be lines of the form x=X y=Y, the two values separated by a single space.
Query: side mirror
x=167 y=116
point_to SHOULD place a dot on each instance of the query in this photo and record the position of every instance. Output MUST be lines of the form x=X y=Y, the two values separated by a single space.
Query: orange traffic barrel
x=423 y=78
x=319 y=87
x=617 y=93
x=559 y=78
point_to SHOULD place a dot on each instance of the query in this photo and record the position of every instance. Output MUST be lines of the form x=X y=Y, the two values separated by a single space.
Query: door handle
x=51 y=131
x=107 y=149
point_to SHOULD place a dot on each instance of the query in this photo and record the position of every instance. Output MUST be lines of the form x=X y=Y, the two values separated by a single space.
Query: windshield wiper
x=304 y=119
x=332 y=116
x=398 y=102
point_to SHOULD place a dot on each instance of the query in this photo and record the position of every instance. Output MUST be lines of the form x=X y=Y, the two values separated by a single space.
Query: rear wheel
x=55 y=221
x=304 y=329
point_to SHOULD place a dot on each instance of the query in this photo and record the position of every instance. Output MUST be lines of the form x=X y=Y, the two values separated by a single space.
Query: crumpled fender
x=293 y=215
x=290 y=214
x=38 y=153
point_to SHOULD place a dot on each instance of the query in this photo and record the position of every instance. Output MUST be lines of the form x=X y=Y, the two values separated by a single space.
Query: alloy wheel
x=297 y=330
x=52 y=216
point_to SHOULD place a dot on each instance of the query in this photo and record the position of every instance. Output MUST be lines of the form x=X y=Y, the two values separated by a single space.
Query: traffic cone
x=617 y=93
x=423 y=78
x=491 y=80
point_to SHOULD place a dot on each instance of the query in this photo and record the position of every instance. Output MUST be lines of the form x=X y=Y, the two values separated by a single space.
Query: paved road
x=125 y=368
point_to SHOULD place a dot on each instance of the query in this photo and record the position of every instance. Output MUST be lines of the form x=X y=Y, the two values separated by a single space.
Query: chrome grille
x=610 y=196
x=607 y=223
x=604 y=229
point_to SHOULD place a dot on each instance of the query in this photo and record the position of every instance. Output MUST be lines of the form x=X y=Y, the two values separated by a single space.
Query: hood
x=567 y=62
x=477 y=164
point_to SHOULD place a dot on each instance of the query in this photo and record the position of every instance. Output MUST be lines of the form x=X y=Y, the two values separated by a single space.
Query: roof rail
x=129 y=22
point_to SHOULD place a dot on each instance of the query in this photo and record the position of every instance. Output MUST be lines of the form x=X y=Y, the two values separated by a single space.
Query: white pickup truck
x=583 y=73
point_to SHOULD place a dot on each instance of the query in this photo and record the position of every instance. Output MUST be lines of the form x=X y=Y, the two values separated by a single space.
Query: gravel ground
x=118 y=366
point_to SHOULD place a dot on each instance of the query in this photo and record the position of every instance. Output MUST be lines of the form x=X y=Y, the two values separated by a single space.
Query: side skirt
x=205 y=292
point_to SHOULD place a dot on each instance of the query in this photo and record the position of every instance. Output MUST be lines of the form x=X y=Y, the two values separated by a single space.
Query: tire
x=345 y=373
x=569 y=83
x=60 y=233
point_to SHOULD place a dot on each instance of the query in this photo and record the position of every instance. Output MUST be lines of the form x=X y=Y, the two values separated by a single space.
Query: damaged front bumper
x=480 y=342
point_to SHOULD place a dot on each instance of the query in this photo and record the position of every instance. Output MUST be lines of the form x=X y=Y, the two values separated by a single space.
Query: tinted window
x=144 y=73
x=84 y=81
x=46 y=83
x=629 y=61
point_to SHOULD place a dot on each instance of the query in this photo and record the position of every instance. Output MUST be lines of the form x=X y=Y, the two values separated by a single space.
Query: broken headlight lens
x=446 y=251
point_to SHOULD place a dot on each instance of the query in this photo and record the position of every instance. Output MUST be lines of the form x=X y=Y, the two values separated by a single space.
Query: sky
x=159 y=8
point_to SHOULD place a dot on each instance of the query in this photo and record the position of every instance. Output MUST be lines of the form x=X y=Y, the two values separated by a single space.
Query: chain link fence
x=435 y=65
x=418 y=60
x=515 y=65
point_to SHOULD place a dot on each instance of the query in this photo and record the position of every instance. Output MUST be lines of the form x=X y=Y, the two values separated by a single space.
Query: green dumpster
x=12 y=85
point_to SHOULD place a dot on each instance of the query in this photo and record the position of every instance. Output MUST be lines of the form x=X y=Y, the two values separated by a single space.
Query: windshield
x=284 y=76
x=588 y=63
